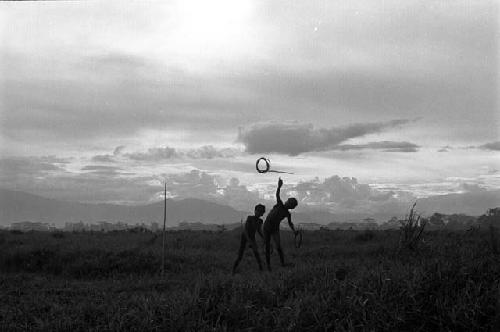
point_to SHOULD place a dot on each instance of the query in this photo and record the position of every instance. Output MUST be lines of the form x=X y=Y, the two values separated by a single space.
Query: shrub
x=411 y=230
x=58 y=235
x=365 y=236
x=493 y=239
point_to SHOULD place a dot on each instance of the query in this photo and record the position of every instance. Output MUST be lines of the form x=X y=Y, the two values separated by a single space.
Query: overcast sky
x=101 y=101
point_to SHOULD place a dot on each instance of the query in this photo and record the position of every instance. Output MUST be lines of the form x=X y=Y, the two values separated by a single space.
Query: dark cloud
x=446 y=148
x=210 y=152
x=154 y=154
x=294 y=138
x=108 y=158
x=387 y=146
x=10 y=167
x=163 y=153
x=102 y=170
x=118 y=150
x=103 y=158
x=494 y=146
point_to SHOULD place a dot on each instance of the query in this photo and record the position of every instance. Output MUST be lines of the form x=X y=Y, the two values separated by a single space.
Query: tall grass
x=412 y=228
x=342 y=281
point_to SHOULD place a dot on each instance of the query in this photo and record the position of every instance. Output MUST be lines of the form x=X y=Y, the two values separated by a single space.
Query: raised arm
x=278 y=198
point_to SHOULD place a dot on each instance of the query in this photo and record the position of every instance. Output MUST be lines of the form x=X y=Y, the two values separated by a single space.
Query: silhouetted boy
x=252 y=225
x=272 y=224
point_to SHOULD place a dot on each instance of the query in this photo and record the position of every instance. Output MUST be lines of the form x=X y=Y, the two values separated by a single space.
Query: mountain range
x=18 y=206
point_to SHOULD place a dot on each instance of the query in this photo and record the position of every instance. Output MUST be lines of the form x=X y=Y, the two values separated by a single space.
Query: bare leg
x=243 y=245
x=277 y=241
x=256 y=253
x=267 y=240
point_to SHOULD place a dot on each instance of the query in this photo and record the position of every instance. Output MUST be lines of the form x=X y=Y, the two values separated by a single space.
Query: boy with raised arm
x=253 y=224
x=272 y=224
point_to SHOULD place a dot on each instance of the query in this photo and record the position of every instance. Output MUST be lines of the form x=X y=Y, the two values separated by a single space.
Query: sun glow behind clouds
x=212 y=28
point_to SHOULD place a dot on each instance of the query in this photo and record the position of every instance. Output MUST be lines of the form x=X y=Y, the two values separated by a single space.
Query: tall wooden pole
x=164 y=226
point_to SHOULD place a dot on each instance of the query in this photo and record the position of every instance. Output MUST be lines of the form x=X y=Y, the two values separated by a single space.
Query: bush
x=58 y=235
x=411 y=230
x=365 y=236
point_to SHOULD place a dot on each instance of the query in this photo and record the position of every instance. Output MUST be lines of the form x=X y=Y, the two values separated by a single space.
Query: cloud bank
x=162 y=153
x=387 y=146
x=294 y=138
x=494 y=146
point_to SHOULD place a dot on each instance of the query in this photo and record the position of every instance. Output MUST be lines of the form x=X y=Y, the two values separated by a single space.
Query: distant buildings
x=105 y=226
x=434 y=222
x=102 y=226
x=75 y=227
x=309 y=226
x=198 y=226
x=27 y=226
x=367 y=223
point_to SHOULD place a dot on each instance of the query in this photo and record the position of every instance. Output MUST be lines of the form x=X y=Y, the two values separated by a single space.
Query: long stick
x=164 y=225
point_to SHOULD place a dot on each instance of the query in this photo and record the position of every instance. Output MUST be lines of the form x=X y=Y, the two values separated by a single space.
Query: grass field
x=111 y=282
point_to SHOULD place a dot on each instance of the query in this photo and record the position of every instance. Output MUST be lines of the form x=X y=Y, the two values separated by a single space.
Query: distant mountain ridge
x=20 y=206
x=470 y=203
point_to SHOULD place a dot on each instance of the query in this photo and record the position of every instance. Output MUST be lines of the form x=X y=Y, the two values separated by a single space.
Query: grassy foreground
x=110 y=282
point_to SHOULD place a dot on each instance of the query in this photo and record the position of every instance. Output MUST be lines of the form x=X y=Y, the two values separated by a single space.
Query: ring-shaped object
x=298 y=239
x=268 y=165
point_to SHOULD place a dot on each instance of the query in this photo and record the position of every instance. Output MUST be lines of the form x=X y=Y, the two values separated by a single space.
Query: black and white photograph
x=250 y=165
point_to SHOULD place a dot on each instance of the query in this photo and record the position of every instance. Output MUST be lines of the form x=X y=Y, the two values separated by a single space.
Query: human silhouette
x=272 y=224
x=253 y=224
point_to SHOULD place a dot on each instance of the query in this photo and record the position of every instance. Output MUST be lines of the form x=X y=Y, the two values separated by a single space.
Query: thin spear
x=164 y=225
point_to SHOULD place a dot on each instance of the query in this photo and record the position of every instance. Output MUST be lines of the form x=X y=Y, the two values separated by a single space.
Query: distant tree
x=393 y=220
x=491 y=218
x=436 y=220
x=491 y=221
x=494 y=212
x=221 y=228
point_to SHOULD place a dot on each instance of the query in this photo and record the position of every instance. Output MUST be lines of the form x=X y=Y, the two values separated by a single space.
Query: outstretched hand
x=280 y=182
